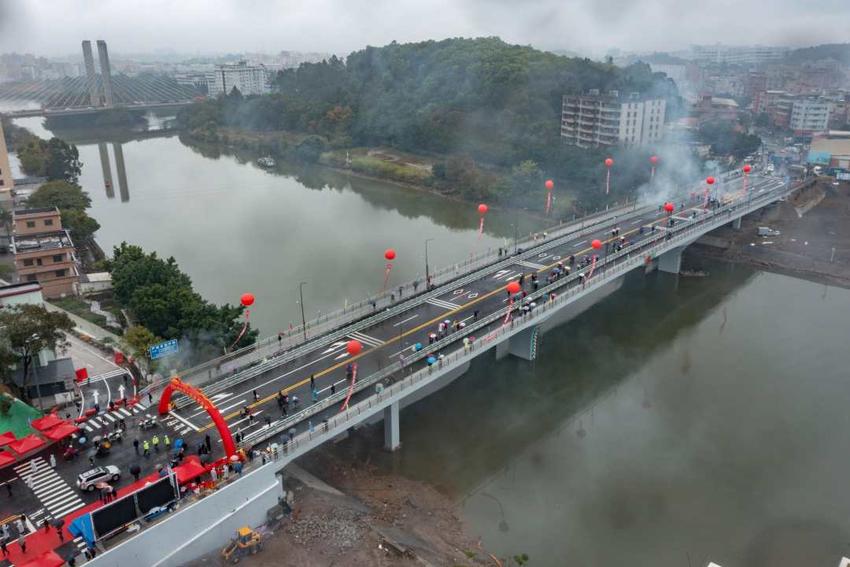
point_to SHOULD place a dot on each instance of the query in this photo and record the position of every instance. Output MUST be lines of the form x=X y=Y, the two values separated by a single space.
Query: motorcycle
x=70 y=453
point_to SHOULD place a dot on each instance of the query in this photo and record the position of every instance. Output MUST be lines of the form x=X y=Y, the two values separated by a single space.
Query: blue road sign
x=164 y=349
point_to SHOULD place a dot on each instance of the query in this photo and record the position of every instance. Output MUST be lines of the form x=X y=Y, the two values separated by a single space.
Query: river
x=677 y=422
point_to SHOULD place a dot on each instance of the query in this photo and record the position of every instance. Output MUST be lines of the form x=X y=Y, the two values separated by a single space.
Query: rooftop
x=41 y=241
x=35 y=211
x=58 y=370
x=19 y=289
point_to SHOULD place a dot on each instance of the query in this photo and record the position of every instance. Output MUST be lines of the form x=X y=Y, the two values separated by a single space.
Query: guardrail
x=615 y=265
x=283 y=356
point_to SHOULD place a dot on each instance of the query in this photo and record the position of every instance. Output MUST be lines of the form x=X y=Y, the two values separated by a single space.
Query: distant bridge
x=82 y=110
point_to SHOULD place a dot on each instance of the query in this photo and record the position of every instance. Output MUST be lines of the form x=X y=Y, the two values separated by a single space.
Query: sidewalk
x=84 y=326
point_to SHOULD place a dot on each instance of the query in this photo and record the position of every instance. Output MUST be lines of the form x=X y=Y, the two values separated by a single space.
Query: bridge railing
x=384 y=305
x=614 y=266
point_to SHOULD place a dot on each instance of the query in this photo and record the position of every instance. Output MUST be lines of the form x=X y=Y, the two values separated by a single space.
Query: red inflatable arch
x=204 y=402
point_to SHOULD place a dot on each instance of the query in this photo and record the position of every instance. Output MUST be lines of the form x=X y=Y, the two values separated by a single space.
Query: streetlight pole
x=301 y=302
x=427 y=275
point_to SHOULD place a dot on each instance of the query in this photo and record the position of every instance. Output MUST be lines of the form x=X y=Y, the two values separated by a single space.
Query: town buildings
x=247 y=79
x=6 y=181
x=44 y=252
x=609 y=119
x=736 y=55
x=809 y=115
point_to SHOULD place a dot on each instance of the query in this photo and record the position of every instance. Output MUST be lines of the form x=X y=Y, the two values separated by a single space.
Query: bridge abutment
x=392 y=432
x=524 y=344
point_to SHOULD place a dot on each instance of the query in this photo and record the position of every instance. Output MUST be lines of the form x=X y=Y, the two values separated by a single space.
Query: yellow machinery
x=247 y=542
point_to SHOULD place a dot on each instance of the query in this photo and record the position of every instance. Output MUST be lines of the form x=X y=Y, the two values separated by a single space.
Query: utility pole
x=427 y=275
x=301 y=302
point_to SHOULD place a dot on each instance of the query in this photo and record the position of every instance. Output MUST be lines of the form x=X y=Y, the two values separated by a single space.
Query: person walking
x=150 y=399
x=52 y=460
x=4 y=549
x=312 y=381
x=256 y=396
x=22 y=542
x=155 y=442
x=136 y=445
x=167 y=441
x=208 y=443
x=146 y=448
x=33 y=467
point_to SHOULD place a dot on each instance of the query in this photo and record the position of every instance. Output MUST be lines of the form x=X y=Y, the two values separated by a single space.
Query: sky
x=591 y=27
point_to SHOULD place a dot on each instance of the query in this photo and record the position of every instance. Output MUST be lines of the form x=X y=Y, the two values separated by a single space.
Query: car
x=88 y=480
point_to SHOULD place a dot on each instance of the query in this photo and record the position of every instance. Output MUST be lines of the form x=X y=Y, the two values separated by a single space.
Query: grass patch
x=81 y=309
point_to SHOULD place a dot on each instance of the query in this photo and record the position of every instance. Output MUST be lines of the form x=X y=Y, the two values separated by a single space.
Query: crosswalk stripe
x=441 y=303
x=109 y=417
x=528 y=264
x=124 y=412
x=57 y=496
x=87 y=428
x=371 y=341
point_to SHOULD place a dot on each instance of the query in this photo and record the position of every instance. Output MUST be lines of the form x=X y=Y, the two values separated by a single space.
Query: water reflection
x=107 y=170
x=123 y=188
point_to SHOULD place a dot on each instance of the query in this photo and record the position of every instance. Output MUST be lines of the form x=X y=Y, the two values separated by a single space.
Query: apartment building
x=247 y=79
x=596 y=119
x=809 y=115
x=44 y=252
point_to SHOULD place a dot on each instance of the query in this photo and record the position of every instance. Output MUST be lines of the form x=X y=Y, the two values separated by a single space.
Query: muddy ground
x=814 y=239
x=363 y=517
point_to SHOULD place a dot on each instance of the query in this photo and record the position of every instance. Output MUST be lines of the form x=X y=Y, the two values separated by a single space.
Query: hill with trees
x=486 y=106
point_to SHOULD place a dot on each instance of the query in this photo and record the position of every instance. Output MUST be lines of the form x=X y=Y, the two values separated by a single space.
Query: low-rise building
x=247 y=79
x=596 y=119
x=831 y=149
x=713 y=109
x=44 y=251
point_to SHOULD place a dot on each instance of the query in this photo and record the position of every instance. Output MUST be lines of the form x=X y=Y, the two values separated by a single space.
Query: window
x=2 y=182
x=38 y=262
x=30 y=224
x=28 y=262
x=31 y=278
x=48 y=222
x=58 y=257
x=60 y=273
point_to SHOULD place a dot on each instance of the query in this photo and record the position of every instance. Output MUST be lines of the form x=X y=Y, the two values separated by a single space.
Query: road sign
x=164 y=349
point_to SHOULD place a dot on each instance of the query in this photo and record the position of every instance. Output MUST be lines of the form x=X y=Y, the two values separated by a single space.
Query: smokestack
x=88 y=59
x=105 y=72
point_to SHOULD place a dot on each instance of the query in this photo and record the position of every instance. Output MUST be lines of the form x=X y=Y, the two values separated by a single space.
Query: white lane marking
x=368 y=339
x=343 y=355
x=441 y=303
x=225 y=408
x=406 y=320
x=219 y=397
x=230 y=425
x=185 y=422
x=337 y=383
x=582 y=243
x=500 y=273
x=528 y=264
x=333 y=347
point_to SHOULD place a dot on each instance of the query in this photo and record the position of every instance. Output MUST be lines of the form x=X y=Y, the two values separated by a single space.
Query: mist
x=587 y=27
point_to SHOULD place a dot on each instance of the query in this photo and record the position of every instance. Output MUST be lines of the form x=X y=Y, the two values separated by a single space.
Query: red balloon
x=609 y=162
x=353 y=348
x=513 y=287
x=247 y=299
x=653 y=160
x=482 y=208
x=596 y=244
x=747 y=168
x=709 y=180
x=389 y=254
x=549 y=184
x=669 y=207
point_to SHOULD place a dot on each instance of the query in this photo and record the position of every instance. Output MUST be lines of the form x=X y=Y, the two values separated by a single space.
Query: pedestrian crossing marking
x=371 y=341
x=57 y=496
x=441 y=303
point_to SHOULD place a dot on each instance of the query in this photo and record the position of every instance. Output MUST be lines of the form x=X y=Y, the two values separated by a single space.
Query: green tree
x=63 y=161
x=61 y=194
x=29 y=329
x=138 y=340
x=81 y=225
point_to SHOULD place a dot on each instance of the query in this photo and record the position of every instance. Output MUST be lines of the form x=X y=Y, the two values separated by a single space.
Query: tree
x=61 y=194
x=139 y=340
x=81 y=225
x=63 y=161
x=29 y=329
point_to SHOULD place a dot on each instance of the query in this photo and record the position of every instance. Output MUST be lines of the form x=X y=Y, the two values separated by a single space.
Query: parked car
x=88 y=480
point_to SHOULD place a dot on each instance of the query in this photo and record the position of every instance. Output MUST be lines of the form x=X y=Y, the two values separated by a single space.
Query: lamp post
x=301 y=302
x=427 y=275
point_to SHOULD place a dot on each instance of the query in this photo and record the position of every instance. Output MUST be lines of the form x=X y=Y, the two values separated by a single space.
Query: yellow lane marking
x=400 y=336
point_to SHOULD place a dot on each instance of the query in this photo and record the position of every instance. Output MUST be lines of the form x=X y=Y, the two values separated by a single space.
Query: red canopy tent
x=6 y=458
x=46 y=422
x=6 y=438
x=26 y=444
x=61 y=431
x=189 y=470
x=47 y=559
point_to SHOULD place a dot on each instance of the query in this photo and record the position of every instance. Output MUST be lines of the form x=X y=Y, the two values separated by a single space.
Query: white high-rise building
x=247 y=79
x=609 y=119
x=809 y=115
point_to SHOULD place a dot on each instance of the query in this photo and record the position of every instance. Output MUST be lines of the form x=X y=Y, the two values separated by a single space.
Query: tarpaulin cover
x=61 y=431
x=46 y=422
x=26 y=444
x=6 y=458
x=47 y=559
x=6 y=438
x=82 y=527
x=189 y=470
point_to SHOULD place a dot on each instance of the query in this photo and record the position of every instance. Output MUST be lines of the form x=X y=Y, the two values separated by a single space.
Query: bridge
x=404 y=353
x=95 y=92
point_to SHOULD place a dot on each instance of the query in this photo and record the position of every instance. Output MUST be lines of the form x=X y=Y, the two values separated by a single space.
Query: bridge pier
x=671 y=261
x=524 y=344
x=736 y=224
x=392 y=433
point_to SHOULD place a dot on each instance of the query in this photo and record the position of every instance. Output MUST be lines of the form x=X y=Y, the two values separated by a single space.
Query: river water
x=677 y=422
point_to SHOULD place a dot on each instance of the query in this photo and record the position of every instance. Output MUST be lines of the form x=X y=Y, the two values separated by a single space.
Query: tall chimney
x=105 y=73
x=91 y=79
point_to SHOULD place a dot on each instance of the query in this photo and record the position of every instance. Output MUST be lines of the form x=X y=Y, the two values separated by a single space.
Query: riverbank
x=347 y=512
x=813 y=240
